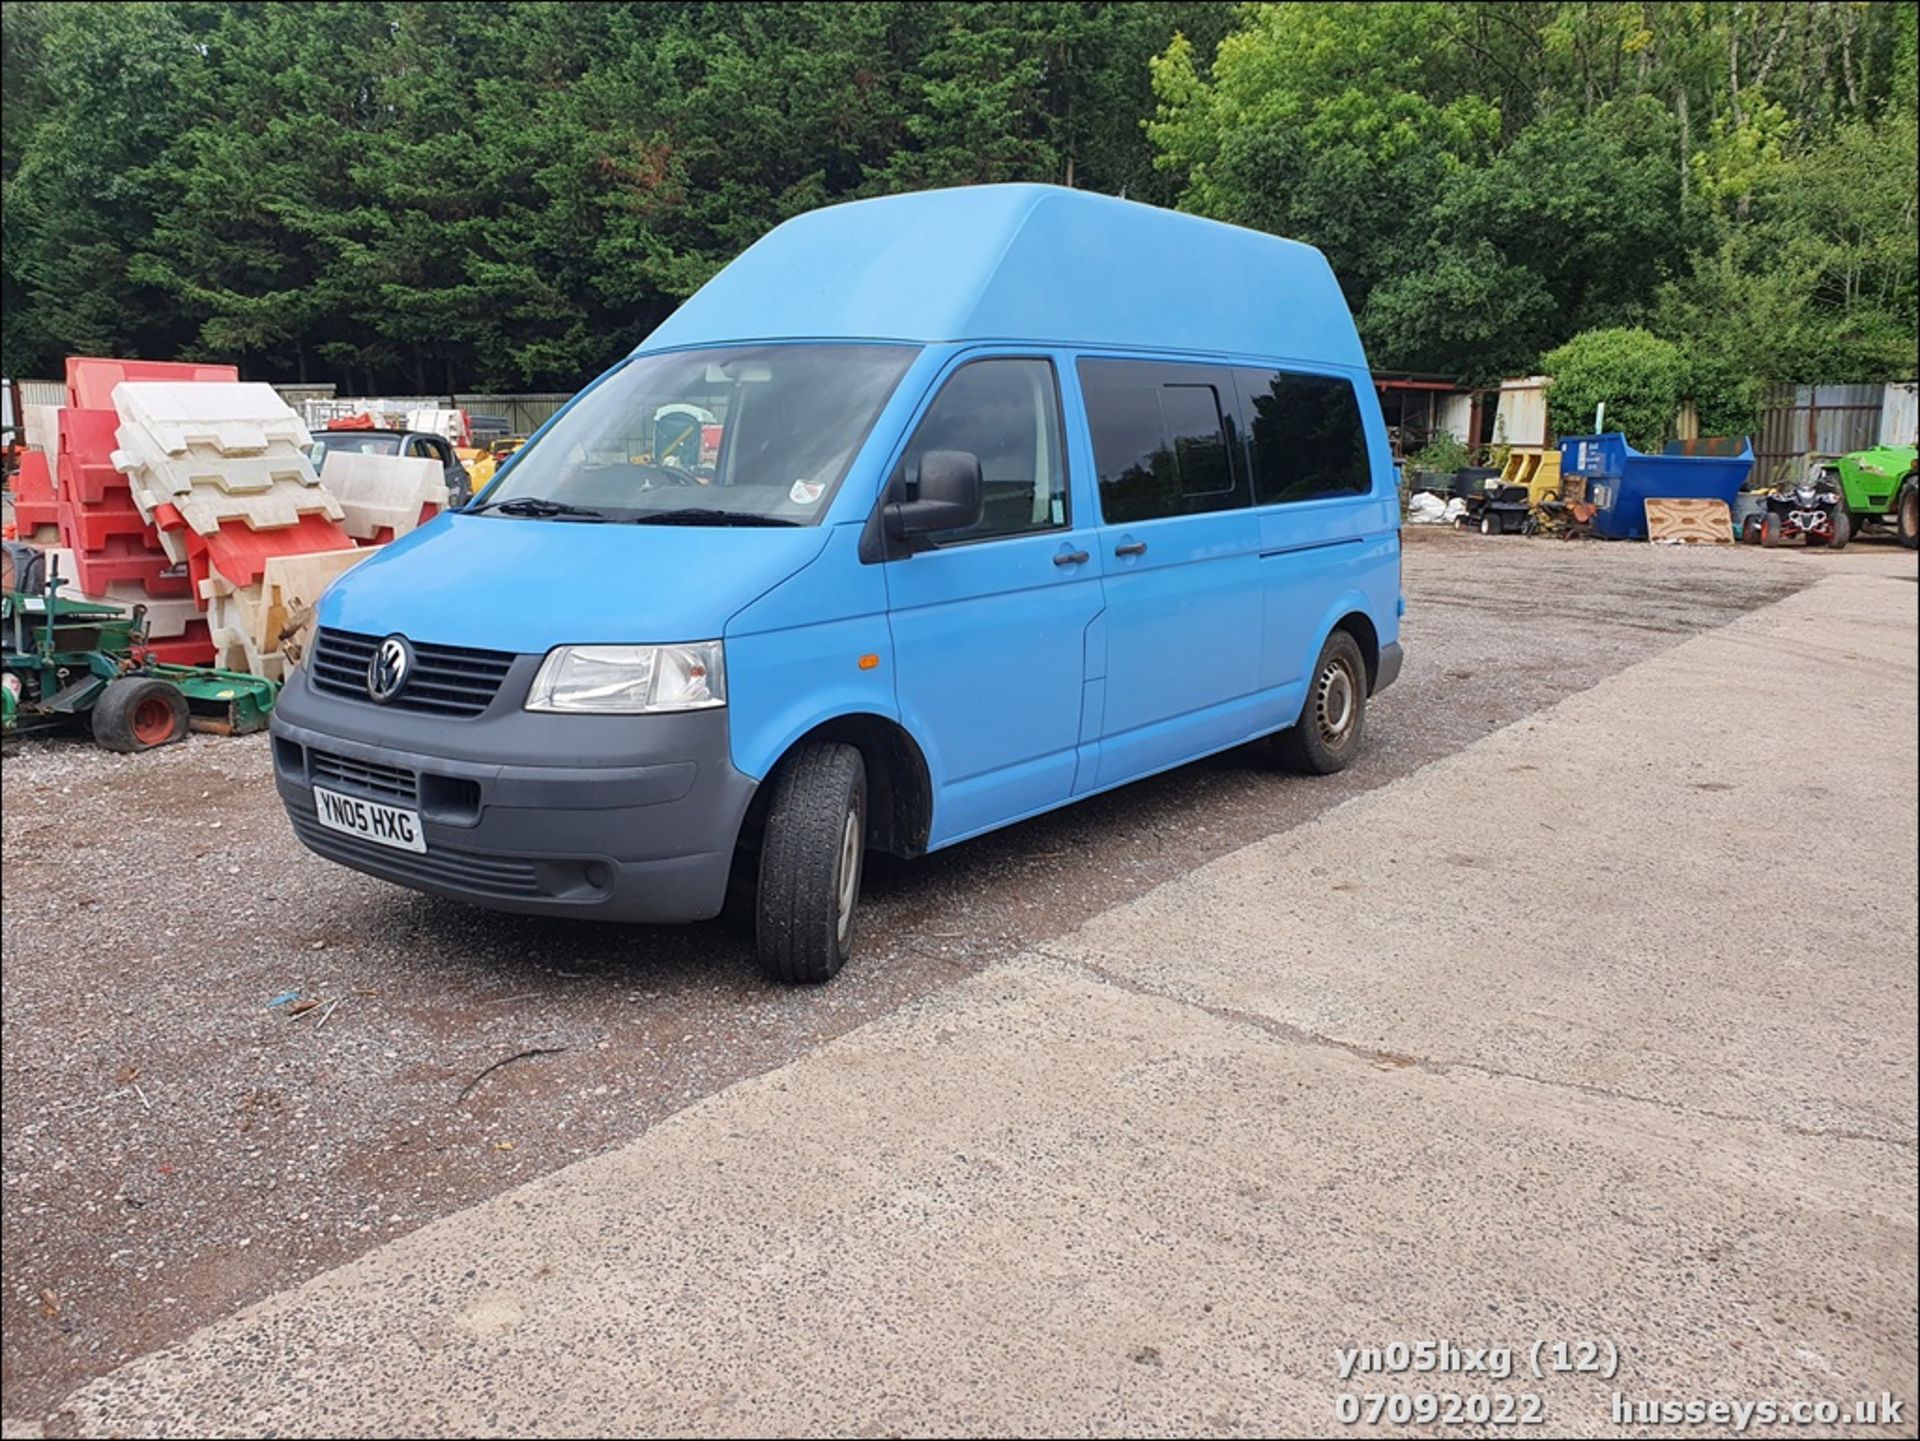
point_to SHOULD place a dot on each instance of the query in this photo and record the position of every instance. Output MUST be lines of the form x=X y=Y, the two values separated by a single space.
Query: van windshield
x=746 y=435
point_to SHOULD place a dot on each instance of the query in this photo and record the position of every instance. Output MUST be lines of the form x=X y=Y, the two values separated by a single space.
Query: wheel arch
x=899 y=783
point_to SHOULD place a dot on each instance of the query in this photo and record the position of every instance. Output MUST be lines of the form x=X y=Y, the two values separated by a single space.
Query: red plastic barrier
x=192 y=647
x=91 y=379
x=91 y=526
x=240 y=555
x=86 y=472
x=33 y=499
x=121 y=558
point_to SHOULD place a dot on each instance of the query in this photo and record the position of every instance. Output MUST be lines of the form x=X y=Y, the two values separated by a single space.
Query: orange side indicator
x=869 y=662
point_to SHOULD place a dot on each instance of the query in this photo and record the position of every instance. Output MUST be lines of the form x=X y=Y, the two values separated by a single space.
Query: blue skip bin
x=1621 y=480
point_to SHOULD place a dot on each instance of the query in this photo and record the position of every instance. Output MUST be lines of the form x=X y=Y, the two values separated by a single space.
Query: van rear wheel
x=1328 y=732
x=810 y=863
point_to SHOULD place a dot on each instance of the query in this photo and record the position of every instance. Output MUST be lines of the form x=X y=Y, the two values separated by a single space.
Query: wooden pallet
x=1694 y=522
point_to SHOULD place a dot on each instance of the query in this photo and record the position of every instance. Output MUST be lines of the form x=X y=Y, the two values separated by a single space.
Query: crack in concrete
x=1397 y=1060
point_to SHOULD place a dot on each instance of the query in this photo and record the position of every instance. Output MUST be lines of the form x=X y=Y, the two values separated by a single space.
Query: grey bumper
x=623 y=818
x=1388 y=670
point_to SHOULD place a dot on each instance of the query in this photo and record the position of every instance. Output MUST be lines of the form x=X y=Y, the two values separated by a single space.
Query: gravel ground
x=175 y=1149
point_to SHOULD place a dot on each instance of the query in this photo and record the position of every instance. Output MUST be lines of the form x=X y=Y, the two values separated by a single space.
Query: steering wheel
x=671 y=475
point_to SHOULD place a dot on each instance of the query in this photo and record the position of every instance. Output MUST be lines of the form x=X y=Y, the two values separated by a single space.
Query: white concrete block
x=380 y=491
x=166 y=619
x=42 y=427
x=233 y=417
x=206 y=510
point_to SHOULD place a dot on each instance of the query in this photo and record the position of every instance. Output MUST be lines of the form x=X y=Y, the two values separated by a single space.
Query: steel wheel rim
x=1335 y=703
x=152 y=721
x=849 y=874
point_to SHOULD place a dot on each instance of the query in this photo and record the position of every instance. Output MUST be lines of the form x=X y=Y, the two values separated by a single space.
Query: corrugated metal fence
x=1900 y=419
x=43 y=392
x=1801 y=420
x=525 y=413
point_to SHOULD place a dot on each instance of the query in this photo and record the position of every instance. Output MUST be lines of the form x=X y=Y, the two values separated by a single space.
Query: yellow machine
x=479 y=464
x=1537 y=470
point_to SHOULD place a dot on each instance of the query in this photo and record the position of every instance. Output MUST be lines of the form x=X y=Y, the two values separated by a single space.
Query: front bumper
x=621 y=818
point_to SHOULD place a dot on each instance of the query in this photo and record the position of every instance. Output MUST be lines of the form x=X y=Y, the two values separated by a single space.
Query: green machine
x=1878 y=484
x=79 y=663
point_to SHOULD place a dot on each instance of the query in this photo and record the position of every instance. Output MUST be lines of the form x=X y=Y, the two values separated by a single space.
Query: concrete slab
x=1152 y=1180
x=1663 y=887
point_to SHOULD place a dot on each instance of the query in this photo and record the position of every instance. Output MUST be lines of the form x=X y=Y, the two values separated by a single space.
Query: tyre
x=138 y=713
x=1842 y=529
x=1328 y=732
x=1750 y=530
x=1770 y=530
x=1906 y=512
x=1490 y=524
x=810 y=860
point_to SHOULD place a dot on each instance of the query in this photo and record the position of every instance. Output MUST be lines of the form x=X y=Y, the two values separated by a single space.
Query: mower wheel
x=1490 y=524
x=137 y=713
x=1770 y=530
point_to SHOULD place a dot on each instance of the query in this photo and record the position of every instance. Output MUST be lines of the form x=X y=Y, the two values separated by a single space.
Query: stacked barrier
x=116 y=555
x=178 y=488
x=221 y=473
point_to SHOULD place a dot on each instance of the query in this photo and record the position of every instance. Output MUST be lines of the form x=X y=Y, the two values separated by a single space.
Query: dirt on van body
x=176 y=1145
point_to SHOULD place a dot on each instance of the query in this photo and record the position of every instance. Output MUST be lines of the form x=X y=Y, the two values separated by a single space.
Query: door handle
x=1071 y=557
x=1132 y=547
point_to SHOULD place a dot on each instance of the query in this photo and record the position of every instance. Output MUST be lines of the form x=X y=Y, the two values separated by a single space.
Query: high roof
x=1024 y=262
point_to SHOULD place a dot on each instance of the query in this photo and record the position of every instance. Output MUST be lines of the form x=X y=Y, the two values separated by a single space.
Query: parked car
x=1025 y=494
x=369 y=441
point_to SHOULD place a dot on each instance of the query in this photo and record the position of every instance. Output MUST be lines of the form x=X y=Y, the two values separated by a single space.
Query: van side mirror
x=950 y=495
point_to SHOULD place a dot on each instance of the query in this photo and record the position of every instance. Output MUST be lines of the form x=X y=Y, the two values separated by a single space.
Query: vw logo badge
x=387 y=672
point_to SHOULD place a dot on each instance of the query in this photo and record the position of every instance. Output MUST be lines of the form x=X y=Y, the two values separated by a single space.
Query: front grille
x=442 y=865
x=369 y=778
x=447 y=680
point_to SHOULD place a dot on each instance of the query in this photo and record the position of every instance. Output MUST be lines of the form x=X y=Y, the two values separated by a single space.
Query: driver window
x=1006 y=412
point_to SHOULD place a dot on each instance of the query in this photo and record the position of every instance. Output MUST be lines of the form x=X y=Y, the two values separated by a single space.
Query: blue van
x=927 y=514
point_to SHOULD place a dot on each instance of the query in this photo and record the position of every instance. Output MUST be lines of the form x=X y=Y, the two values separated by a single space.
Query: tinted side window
x=1162 y=439
x=1006 y=412
x=1305 y=436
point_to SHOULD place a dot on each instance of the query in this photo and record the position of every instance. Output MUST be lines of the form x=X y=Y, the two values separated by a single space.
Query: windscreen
x=348 y=441
x=741 y=435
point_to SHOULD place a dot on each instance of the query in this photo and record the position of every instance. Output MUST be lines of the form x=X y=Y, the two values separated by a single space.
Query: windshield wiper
x=538 y=507
x=699 y=515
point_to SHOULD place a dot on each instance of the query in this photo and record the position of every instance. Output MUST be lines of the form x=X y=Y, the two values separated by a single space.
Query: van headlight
x=631 y=679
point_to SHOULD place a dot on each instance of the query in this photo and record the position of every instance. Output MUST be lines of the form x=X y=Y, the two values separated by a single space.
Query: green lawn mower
x=1877 y=485
x=80 y=664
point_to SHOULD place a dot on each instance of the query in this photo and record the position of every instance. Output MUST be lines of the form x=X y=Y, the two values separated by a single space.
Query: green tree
x=1640 y=378
x=1318 y=122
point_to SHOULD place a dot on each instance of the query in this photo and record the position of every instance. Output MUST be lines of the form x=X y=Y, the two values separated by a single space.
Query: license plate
x=369 y=820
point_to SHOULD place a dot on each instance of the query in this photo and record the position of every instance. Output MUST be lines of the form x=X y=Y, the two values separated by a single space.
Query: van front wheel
x=810 y=862
x=1328 y=732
